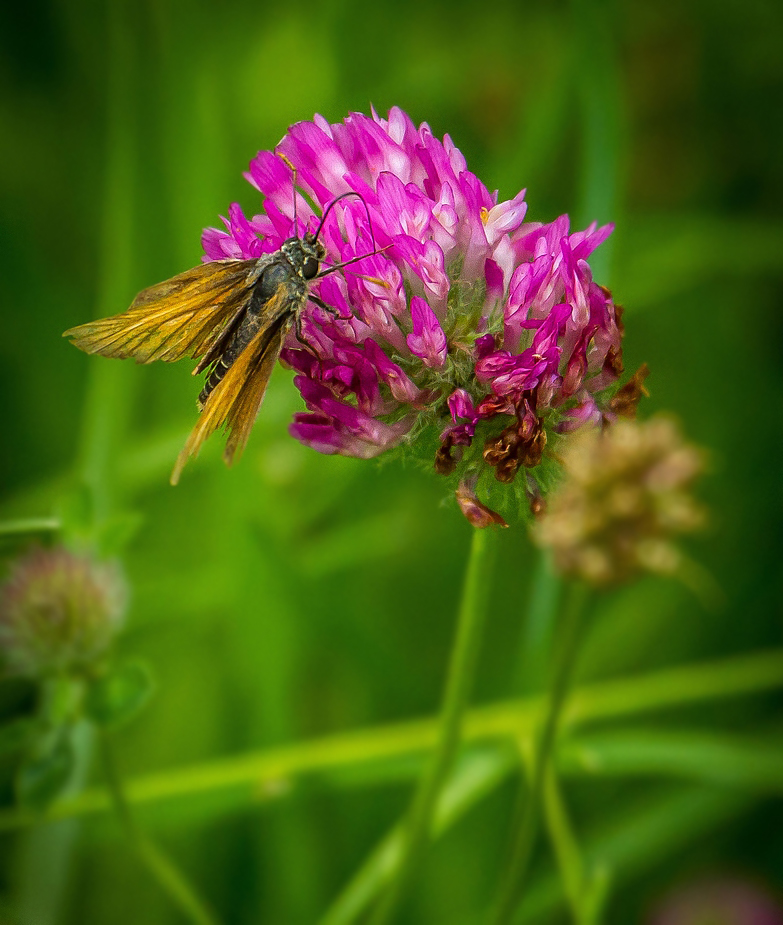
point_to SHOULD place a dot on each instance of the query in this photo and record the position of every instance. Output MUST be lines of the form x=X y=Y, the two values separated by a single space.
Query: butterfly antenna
x=334 y=203
x=345 y=263
x=339 y=266
x=291 y=167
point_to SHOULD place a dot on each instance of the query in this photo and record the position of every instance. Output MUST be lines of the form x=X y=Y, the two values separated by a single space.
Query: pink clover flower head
x=459 y=316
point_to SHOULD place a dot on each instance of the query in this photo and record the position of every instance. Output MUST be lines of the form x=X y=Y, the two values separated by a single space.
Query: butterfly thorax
x=304 y=255
x=280 y=291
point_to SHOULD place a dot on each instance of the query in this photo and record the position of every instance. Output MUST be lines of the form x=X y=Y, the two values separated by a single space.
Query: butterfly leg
x=298 y=327
x=327 y=308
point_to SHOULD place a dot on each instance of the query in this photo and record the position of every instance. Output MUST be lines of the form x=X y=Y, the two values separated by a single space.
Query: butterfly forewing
x=183 y=316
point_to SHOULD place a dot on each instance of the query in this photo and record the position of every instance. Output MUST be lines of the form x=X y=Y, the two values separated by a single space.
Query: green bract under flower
x=462 y=320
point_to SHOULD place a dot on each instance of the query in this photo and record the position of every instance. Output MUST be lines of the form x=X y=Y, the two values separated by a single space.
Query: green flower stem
x=459 y=682
x=527 y=824
x=246 y=776
x=168 y=876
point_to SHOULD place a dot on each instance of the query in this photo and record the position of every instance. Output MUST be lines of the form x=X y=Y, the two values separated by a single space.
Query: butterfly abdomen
x=276 y=281
x=243 y=335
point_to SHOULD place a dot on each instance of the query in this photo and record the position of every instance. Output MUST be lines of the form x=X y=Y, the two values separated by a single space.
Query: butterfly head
x=304 y=254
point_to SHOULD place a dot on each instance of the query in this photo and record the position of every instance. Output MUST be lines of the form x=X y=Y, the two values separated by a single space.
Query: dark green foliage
x=118 y=695
x=45 y=772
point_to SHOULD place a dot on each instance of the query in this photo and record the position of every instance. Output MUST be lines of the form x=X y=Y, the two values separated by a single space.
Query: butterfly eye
x=310 y=268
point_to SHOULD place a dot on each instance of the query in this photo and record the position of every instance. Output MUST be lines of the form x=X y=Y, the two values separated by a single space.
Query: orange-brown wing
x=180 y=317
x=235 y=401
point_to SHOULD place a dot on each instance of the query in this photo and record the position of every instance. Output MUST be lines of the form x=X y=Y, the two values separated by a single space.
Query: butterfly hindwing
x=235 y=401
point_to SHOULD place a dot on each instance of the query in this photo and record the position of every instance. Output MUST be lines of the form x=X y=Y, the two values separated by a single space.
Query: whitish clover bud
x=624 y=498
x=59 y=611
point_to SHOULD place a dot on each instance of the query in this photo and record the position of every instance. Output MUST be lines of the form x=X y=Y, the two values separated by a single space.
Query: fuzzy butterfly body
x=231 y=315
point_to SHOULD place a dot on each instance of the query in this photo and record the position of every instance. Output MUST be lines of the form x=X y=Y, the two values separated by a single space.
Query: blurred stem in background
x=525 y=827
x=538 y=627
x=93 y=506
x=110 y=390
x=586 y=888
x=46 y=853
x=755 y=763
x=110 y=387
x=160 y=867
x=30 y=527
x=476 y=596
x=598 y=80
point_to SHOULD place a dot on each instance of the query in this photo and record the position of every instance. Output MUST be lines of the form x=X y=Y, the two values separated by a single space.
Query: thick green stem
x=459 y=682
x=164 y=871
x=528 y=815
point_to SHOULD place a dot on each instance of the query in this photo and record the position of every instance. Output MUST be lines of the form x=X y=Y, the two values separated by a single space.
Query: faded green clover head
x=59 y=612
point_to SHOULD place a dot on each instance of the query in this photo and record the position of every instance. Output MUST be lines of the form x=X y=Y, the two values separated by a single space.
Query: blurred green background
x=298 y=596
